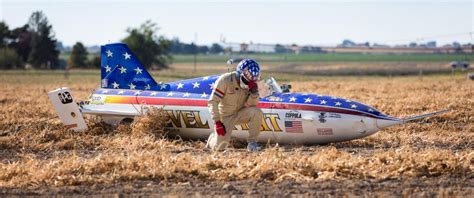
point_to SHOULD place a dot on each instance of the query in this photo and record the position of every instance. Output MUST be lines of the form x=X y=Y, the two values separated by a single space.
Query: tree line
x=34 y=45
x=153 y=50
x=177 y=47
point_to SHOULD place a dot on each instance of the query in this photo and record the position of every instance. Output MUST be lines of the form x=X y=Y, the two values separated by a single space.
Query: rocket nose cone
x=383 y=123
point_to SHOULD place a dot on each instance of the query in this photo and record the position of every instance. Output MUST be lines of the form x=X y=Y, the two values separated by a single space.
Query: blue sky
x=286 y=22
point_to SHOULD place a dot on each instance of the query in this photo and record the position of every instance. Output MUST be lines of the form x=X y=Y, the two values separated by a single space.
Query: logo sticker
x=142 y=79
x=324 y=131
x=275 y=99
x=105 y=82
x=291 y=115
x=322 y=117
x=97 y=100
x=334 y=115
x=65 y=97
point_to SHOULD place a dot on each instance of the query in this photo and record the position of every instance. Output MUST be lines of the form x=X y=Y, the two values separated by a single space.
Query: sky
x=263 y=21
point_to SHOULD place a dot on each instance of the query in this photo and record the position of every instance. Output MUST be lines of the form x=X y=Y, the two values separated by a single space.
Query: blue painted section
x=120 y=69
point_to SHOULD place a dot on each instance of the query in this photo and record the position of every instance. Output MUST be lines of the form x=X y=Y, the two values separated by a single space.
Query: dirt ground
x=431 y=157
x=417 y=187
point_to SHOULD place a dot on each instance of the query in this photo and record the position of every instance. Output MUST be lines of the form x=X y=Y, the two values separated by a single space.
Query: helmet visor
x=244 y=83
x=244 y=80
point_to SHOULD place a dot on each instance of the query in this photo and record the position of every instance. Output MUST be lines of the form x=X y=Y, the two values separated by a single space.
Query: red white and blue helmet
x=249 y=70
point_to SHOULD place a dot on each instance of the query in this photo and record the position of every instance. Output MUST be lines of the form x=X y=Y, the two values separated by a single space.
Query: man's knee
x=256 y=111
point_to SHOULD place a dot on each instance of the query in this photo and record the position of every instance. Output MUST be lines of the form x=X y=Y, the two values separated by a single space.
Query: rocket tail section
x=383 y=123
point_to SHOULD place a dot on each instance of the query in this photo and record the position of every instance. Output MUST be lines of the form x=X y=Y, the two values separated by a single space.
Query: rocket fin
x=121 y=69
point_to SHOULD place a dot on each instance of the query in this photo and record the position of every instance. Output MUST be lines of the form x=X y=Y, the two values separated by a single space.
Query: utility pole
x=4 y=57
x=195 y=51
x=4 y=41
x=472 y=44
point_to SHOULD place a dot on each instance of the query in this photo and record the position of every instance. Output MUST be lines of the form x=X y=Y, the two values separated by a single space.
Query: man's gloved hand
x=220 y=128
x=253 y=87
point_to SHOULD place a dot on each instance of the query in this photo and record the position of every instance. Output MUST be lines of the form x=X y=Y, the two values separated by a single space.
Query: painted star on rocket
x=123 y=70
x=116 y=85
x=180 y=85
x=126 y=56
x=138 y=70
x=196 y=85
x=108 y=68
x=109 y=53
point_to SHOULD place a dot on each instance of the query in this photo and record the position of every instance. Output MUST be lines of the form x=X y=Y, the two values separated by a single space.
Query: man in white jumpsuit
x=233 y=102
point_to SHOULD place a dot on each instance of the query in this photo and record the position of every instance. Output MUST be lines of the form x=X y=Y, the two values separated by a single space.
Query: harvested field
x=334 y=68
x=434 y=156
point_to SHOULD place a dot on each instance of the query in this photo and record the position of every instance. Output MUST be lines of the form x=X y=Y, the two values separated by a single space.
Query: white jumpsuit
x=233 y=105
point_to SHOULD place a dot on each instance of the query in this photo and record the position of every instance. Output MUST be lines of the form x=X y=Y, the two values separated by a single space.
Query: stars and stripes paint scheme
x=127 y=89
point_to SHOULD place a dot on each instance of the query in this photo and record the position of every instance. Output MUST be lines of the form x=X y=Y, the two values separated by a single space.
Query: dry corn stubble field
x=432 y=157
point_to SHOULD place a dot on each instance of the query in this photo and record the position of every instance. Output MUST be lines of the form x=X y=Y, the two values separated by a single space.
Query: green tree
x=43 y=44
x=203 y=49
x=96 y=62
x=4 y=34
x=78 y=56
x=216 y=49
x=9 y=59
x=21 y=41
x=149 y=48
x=281 y=49
x=190 y=48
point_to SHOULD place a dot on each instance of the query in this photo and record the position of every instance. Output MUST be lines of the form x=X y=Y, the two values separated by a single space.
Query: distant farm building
x=463 y=65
